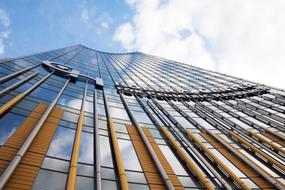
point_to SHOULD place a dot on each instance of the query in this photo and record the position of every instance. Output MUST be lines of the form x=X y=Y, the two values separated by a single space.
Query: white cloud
x=95 y=20
x=87 y=15
x=4 y=18
x=243 y=38
x=125 y=35
x=84 y=16
x=4 y=29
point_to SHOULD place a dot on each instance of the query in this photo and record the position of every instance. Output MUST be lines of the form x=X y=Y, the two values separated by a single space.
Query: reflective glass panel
x=62 y=143
x=8 y=125
x=50 y=180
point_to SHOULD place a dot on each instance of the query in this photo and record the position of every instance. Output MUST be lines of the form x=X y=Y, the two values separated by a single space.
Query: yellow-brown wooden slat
x=255 y=177
x=26 y=172
x=150 y=170
x=10 y=148
x=165 y=164
x=274 y=138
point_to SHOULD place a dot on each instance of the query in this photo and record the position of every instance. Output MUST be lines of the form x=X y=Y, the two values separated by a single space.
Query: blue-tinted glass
x=50 y=180
x=62 y=143
x=172 y=160
x=105 y=152
x=141 y=117
x=130 y=159
x=108 y=173
x=84 y=183
x=109 y=185
x=55 y=164
x=136 y=177
x=86 y=148
x=138 y=187
x=85 y=170
x=70 y=101
x=44 y=94
x=8 y=124
x=118 y=113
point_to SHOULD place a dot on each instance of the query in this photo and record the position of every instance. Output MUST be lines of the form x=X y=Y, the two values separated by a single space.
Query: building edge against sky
x=77 y=118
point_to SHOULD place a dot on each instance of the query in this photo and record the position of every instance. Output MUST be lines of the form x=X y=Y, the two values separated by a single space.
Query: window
x=70 y=101
x=108 y=173
x=50 y=180
x=85 y=170
x=136 y=177
x=130 y=159
x=86 y=148
x=109 y=185
x=62 y=143
x=84 y=183
x=105 y=152
x=55 y=164
x=44 y=94
x=8 y=125
x=141 y=117
x=172 y=160
x=118 y=113
x=138 y=187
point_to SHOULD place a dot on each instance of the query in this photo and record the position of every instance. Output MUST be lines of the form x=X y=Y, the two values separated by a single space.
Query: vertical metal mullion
x=97 y=172
x=204 y=161
x=262 y=172
x=118 y=156
x=189 y=162
x=72 y=175
x=115 y=144
x=161 y=170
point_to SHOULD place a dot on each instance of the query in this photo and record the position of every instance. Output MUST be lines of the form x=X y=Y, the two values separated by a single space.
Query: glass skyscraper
x=77 y=118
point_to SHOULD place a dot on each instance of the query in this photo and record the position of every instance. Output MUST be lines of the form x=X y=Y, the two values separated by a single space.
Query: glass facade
x=135 y=121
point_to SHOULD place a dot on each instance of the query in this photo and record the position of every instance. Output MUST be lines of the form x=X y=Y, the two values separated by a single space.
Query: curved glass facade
x=77 y=118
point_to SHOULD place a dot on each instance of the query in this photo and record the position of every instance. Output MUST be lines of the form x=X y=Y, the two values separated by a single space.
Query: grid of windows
x=215 y=136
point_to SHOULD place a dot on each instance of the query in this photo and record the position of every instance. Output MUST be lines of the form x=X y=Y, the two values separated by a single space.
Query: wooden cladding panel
x=165 y=164
x=150 y=170
x=27 y=171
x=10 y=148
x=255 y=177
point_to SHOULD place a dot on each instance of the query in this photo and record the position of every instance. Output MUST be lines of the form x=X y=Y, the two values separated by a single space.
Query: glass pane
x=105 y=152
x=44 y=94
x=86 y=148
x=86 y=170
x=108 y=173
x=84 y=183
x=50 y=180
x=138 y=187
x=8 y=125
x=55 y=164
x=136 y=177
x=109 y=185
x=172 y=160
x=70 y=101
x=118 y=113
x=62 y=142
x=130 y=159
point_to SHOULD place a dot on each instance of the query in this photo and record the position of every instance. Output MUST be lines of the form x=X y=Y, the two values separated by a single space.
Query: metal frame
x=72 y=174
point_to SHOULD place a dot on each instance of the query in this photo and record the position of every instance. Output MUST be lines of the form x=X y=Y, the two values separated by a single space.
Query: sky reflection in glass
x=61 y=145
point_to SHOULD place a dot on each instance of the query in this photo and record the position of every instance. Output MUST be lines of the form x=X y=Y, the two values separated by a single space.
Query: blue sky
x=244 y=38
x=39 y=25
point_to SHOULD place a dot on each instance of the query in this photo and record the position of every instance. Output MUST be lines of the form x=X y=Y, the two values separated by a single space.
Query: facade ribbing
x=77 y=118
